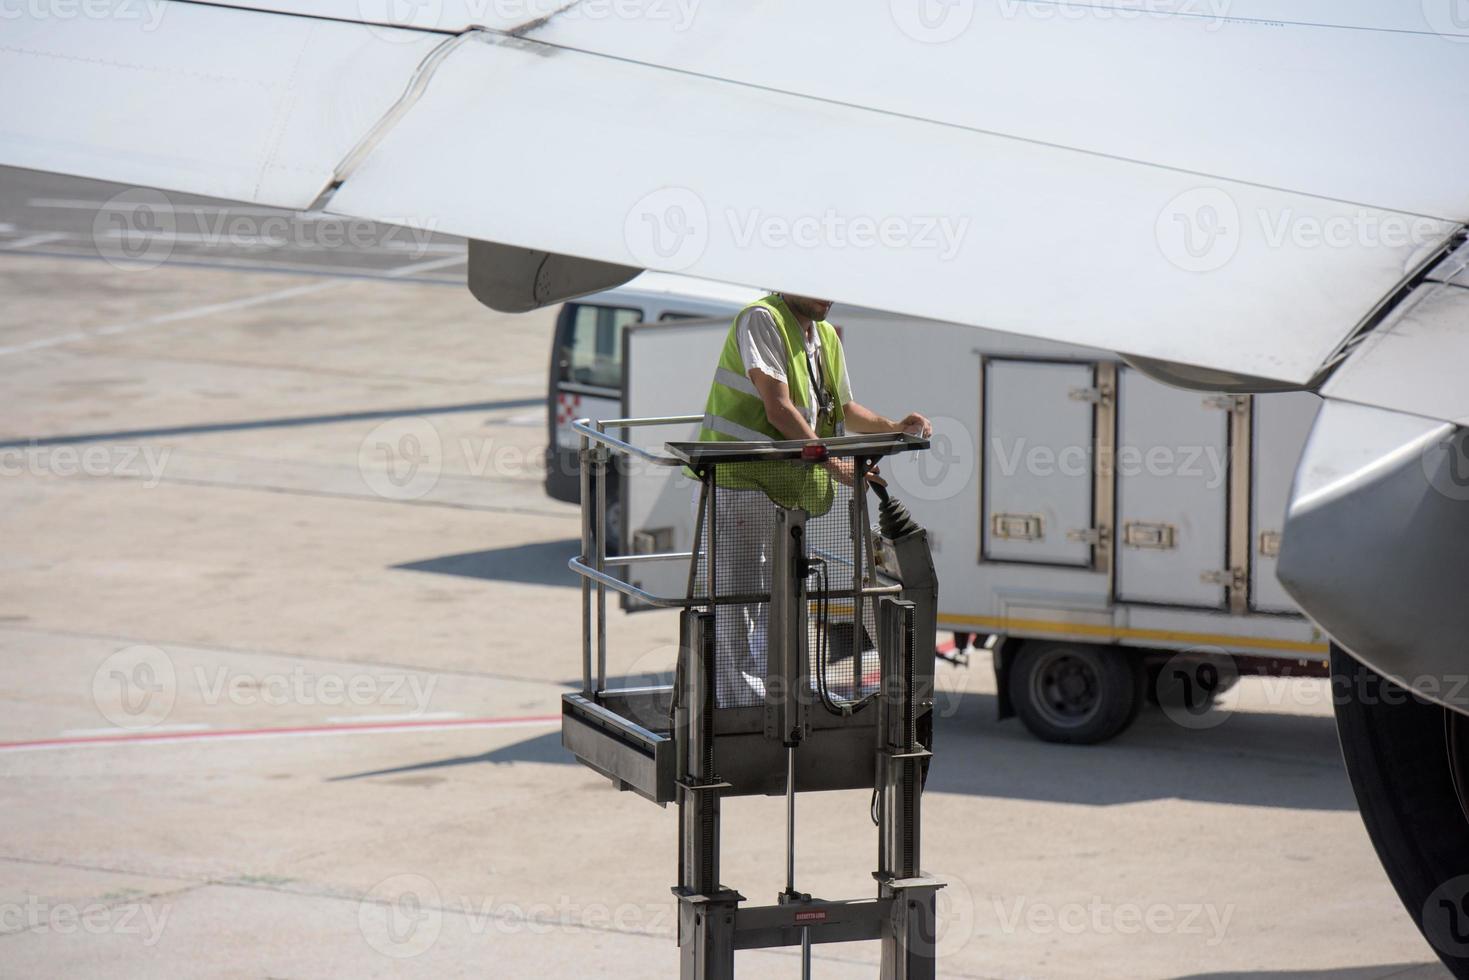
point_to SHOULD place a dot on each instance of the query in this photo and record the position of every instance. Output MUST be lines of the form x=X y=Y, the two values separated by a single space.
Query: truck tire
x=1398 y=753
x=1074 y=693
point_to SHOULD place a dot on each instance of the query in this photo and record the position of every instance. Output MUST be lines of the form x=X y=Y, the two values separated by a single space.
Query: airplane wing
x=1233 y=192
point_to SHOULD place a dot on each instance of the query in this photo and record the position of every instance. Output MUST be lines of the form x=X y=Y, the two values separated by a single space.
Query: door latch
x=1229 y=578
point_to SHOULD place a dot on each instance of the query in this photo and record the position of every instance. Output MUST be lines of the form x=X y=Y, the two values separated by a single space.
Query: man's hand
x=842 y=470
x=916 y=425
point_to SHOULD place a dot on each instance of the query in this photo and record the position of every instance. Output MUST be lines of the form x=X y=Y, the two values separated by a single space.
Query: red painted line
x=365 y=727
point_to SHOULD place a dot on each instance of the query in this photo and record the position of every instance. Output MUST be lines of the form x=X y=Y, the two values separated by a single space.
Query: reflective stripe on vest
x=735 y=411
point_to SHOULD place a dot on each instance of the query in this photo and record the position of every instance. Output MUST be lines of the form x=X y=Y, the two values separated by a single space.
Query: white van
x=586 y=356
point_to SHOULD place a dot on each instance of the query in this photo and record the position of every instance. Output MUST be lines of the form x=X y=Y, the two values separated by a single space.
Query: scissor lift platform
x=761 y=704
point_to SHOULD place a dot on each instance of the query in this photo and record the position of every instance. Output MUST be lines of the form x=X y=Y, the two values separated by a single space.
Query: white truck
x=1091 y=523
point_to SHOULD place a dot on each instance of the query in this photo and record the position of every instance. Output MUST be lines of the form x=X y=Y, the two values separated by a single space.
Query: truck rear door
x=1038 y=449
x=1172 y=471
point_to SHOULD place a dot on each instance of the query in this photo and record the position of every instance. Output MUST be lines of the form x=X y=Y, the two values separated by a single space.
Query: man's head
x=807 y=306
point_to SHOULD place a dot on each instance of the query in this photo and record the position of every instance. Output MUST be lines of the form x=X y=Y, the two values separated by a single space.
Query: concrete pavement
x=284 y=622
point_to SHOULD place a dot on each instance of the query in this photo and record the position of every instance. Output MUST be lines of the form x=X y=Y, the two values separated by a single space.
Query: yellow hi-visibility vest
x=735 y=412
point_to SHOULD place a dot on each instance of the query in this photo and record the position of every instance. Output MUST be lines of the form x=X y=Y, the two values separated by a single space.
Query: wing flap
x=707 y=178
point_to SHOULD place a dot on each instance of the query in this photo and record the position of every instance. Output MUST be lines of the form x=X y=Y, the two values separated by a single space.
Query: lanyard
x=817 y=374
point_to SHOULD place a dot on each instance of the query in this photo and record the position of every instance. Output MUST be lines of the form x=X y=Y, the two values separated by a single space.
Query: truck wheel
x=1074 y=693
x=1405 y=758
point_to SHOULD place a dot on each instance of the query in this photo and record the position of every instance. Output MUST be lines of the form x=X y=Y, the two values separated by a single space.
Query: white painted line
x=210 y=309
x=404 y=716
x=237 y=239
x=80 y=204
x=38 y=239
x=153 y=737
x=408 y=270
x=161 y=729
x=227 y=307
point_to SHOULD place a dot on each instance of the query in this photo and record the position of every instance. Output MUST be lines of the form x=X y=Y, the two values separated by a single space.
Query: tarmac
x=285 y=621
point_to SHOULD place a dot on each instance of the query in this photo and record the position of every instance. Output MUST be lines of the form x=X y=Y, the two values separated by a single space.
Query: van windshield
x=591 y=349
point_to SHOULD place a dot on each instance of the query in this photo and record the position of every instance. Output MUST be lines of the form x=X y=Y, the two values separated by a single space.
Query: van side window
x=681 y=316
x=592 y=354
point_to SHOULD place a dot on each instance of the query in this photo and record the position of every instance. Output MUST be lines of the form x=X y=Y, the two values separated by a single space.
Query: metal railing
x=596 y=451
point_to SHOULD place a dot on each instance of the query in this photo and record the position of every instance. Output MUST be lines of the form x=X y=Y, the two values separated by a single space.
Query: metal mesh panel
x=744 y=521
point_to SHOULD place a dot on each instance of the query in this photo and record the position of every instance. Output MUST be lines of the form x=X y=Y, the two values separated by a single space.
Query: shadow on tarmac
x=1251 y=759
x=132 y=435
x=540 y=748
x=540 y=563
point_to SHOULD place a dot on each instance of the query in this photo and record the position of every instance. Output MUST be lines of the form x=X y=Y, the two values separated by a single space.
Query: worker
x=781 y=375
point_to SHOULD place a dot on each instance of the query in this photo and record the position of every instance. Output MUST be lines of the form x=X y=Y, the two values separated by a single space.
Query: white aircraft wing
x=1237 y=192
x=1249 y=192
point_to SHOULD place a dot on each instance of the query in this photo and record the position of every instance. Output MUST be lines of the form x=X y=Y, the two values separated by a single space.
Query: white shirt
x=763 y=349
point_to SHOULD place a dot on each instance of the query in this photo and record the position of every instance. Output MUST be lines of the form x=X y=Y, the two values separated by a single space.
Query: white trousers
x=744 y=524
